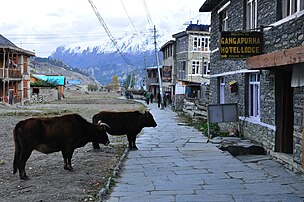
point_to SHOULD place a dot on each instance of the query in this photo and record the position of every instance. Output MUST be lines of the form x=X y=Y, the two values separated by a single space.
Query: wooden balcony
x=10 y=73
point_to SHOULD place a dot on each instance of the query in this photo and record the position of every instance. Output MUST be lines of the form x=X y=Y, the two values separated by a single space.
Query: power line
x=129 y=17
x=148 y=14
x=140 y=37
x=102 y=22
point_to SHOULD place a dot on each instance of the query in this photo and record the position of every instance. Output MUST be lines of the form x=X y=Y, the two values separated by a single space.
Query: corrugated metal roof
x=58 y=79
x=74 y=82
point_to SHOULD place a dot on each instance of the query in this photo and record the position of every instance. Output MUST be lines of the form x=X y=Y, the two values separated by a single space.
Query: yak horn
x=100 y=123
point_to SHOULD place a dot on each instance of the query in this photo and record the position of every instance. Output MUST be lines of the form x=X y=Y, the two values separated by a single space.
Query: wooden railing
x=10 y=73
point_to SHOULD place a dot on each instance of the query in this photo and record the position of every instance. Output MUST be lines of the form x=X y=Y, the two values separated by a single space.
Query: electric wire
x=102 y=22
x=149 y=19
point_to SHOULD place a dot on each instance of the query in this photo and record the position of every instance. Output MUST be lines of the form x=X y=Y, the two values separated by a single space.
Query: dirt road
x=48 y=180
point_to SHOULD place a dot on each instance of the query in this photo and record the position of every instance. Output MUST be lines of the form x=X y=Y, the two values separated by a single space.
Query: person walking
x=151 y=98
x=165 y=100
x=158 y=99
x=147 y=97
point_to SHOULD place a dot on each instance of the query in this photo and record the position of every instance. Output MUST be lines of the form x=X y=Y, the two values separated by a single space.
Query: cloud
x=45 y=25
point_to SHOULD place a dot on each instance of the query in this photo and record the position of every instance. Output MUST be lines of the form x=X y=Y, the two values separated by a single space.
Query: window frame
x=206 y=68
x=195 y=67
x=254 y=92
x=251 y=14
x=182 y=69
x=201 y=43
x=222 y=90
x=224 y=20
x=290 y=7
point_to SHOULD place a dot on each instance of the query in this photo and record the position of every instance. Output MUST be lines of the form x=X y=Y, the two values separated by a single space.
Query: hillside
x=55 y=66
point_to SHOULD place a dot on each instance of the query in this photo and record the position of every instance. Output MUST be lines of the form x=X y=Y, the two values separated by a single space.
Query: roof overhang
x=277 y=58
x=18 y=50
x=171 y=42
x=209 y=5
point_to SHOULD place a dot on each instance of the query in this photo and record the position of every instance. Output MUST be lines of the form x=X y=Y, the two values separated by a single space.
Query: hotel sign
x=238 y=45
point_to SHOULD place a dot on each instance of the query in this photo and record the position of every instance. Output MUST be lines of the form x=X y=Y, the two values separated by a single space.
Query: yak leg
x=95 y=145
x=24 y=156
x=131 y=140
x=67 y=156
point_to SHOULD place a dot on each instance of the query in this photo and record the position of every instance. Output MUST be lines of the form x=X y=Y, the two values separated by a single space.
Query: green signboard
x=238 y=45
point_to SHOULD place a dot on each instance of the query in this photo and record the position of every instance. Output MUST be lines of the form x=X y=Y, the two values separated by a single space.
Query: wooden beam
x=277 y=58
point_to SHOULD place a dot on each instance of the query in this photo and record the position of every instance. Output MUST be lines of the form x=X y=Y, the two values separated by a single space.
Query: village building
x=14 y=72
x=152 y=81
x=192 y=62
x=76 y=85
x=168 y=69
x=257 y=61
x=185 y=67
x=46 y=81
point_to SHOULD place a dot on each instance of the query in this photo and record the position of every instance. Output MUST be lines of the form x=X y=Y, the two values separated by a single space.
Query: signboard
x=180 y=89
x=219 y=113
x=167 y=74
x=238 y=45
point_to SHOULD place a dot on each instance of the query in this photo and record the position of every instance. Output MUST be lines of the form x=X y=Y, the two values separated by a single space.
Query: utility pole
x=158 y=70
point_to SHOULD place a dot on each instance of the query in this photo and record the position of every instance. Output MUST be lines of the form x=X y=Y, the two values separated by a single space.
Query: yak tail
x=17 y=152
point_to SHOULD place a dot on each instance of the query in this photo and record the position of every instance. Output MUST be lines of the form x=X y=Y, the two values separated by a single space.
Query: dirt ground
x=48 y=180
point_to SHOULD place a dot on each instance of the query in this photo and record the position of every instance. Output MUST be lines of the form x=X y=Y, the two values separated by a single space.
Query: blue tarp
x=58 y=79
x=74 y=82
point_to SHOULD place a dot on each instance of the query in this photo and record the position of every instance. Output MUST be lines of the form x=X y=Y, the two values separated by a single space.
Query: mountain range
x=103 y=60
x=129 y=54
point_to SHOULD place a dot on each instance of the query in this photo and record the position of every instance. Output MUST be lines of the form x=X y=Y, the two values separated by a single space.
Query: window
x=251 y=14
x=201 y=43
x=181 y=70
x=254 y=95
x=222 y=90
x=224 y=21
x=195 y=67
x=290 y=7
x=206 y=69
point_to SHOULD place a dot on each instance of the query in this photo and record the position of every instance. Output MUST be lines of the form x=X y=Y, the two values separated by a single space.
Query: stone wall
x=45 y=95
x=281 y=36
x=285 y=36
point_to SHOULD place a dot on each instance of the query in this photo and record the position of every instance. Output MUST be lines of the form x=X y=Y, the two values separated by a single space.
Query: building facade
x=193 y=58
x=268 y=87
x=14 y=72
x=168 y=68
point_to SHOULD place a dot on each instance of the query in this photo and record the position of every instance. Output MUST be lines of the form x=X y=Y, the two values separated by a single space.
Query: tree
x=130 y=81
x=92 y=87
x=115 y=82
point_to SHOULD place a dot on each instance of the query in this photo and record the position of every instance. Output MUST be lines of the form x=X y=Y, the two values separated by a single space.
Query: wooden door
x=284 y=111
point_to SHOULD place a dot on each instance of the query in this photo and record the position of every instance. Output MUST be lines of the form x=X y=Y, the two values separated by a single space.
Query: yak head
x=149 y=120
x=101 y=135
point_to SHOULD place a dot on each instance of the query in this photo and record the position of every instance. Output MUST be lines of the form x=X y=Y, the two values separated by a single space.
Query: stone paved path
x=174 y=163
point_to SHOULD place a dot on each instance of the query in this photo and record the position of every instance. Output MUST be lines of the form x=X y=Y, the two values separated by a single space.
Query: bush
x=202 y=126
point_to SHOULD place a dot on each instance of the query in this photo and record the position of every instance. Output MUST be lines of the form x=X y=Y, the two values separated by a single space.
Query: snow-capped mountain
x=103 y=59
x=131 y=52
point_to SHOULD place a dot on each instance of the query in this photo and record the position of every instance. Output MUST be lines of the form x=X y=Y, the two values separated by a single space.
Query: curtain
x=297 y=79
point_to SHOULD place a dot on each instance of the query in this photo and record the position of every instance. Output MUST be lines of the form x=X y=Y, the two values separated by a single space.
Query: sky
x=43 y=25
